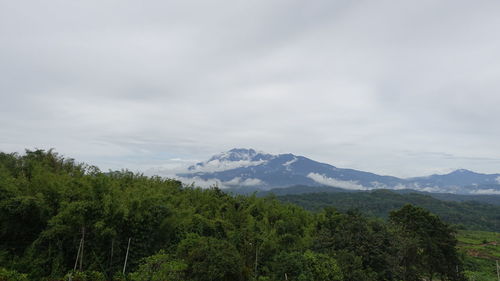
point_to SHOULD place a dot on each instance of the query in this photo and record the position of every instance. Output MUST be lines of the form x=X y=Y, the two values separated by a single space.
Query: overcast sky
x=406 y=88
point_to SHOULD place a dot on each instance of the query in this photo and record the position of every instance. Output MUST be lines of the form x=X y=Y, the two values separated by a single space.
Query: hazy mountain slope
x=249 y=168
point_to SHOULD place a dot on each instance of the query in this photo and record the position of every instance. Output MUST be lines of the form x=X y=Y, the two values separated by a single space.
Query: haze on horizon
x=392 y=87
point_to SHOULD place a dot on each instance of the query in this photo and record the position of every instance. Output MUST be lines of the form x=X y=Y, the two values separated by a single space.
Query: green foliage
x=306 y=266
x=56 y=214
x=480 y=250
x=210 y=259
x=378 y=203
x=160 y=267
x=427 y=246
x=362 y=248
x=11 y=275
x=86 y=276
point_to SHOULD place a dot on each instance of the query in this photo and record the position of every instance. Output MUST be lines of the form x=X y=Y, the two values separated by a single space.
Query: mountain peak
x=249 y=167
x=240 y=154
x=242 y=150
x=462 y=172
x=232 y=159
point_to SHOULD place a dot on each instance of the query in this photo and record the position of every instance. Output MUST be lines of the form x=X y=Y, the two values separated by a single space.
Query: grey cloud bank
x=394 y=87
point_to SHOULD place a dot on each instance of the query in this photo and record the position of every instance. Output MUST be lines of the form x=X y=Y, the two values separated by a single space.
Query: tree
x=11 y=275
x=210 y=259
x=362 y=247
x=306 y=266
x=160 y=267
x=426 y=245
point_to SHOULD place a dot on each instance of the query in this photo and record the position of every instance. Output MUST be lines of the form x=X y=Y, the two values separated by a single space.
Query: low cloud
x=217 y=166
x=489 y=191
x=353 y=185
x=246 y=182
x=203 y=183
x=206 y=183
x=378 y=185
x=430 y=189
x=400 y=186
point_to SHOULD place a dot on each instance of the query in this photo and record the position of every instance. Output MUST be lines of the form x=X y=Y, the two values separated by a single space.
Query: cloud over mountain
x=249 y=168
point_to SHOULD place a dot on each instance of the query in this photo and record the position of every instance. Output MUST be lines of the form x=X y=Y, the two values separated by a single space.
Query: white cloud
x=206 y=183
x=430 y=189
x=400 y=186
x=184 y=75
x=246 y=182
x=290 y=162
x=322 y=179
x=378 y=185
x=415 y=186
x=287 y=164
x=169 y=168
x=203 y=183
x=217 y=165
x=486 y=191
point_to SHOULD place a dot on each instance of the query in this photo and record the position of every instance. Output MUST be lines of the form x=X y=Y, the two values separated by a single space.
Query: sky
x=405 y=88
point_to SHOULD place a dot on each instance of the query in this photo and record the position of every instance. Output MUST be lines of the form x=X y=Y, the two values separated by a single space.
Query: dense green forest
x=492 y=199
x=62 y=220
x=469 y=214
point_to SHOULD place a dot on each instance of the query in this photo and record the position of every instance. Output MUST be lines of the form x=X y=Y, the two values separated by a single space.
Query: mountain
x=242 y=167
x=459 y=177
x=246 y=167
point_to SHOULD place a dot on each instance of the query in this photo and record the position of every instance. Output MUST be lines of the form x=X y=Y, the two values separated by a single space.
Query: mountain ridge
x=249 y=167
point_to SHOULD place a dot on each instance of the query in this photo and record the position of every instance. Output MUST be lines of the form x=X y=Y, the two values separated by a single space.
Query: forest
x=378 y=203
x=65 y=220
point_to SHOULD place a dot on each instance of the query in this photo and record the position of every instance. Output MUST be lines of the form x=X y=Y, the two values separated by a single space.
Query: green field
x=481 y=249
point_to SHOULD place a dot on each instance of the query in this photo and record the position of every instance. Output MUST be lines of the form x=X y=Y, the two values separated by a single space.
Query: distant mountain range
x=247 y=168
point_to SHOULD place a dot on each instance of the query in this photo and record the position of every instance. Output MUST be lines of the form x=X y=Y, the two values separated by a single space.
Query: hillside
x=481 y=251
x=303 y=189
x=379 y=203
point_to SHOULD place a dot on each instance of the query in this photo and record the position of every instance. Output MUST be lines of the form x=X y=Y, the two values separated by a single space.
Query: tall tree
x=427 y=246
